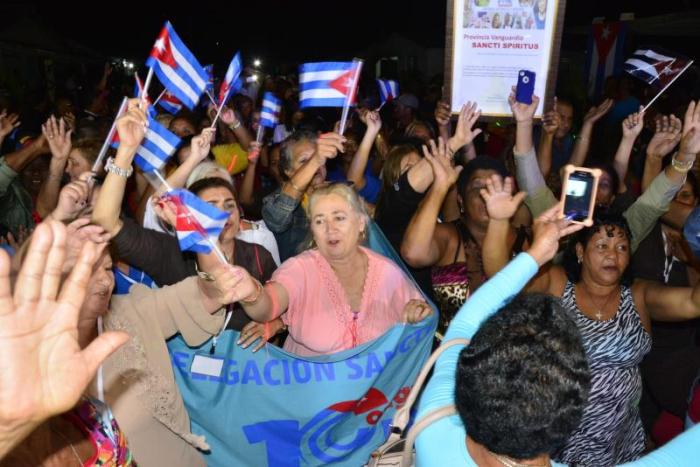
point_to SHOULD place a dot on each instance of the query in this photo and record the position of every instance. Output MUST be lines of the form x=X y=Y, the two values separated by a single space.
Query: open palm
x=498 y=196
x=44 y=369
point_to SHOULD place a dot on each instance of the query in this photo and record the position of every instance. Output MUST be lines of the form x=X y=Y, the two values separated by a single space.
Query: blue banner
x=277 y=409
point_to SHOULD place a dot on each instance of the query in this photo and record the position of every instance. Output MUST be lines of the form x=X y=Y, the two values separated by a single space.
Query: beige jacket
x=139 y=382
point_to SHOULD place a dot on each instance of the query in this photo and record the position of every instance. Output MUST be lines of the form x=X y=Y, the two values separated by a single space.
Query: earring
x=579 y=260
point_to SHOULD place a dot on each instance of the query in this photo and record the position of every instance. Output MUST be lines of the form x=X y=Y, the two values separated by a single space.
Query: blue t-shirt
x=370 y=192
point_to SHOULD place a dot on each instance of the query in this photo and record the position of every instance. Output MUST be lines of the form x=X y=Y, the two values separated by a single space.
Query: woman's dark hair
x=612 y=173
x=606 y=221
x=287 y=149
x=479 y=163
x=212 y=182
x=693 y=182
x=523 y=381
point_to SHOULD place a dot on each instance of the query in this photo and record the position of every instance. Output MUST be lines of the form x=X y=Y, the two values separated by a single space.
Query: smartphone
x=525 y=87
x=579 y=189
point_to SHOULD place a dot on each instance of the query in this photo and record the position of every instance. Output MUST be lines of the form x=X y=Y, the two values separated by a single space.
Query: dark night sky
x=287 y=30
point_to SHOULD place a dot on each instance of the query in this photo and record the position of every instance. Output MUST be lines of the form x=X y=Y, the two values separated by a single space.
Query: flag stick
x=212 y=243
x=159 y=97
x=105 y=146
x=351 y=96
x=211 y=98
x=218 y=113
x=147 y=84
x=666 y=87
x=259 y=136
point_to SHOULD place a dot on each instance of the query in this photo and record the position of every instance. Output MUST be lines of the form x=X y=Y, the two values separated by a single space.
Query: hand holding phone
x=579 y=189
x=525 y=87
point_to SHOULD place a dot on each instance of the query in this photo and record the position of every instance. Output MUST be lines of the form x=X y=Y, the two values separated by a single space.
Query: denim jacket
x=286 y=218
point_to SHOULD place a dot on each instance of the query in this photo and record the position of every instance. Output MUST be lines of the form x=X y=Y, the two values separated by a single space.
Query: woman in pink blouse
x=338 y=294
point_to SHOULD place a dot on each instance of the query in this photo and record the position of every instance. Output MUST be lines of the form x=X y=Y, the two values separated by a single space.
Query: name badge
x=207 y=366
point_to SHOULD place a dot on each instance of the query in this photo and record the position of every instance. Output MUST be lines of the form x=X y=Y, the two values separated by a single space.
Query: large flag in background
x=325 y=84
x=300 y=411
x=655 y=67
x=388 y=90
x=157 y=146
x=605 y=54
x=177 y=68
x=271 y=108
x=232 y=82
x=196 y=221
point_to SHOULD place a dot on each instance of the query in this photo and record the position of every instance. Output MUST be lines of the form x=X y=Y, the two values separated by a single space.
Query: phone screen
x=579 y=190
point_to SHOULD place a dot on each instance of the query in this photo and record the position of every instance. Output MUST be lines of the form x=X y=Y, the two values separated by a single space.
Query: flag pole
x=211 y=243
x=259 y=136
x=349 y=98
x=666 y=87
x=218 y=113
x=159 y=97
x=147 y=84
x=211 y=98
x=105 y=146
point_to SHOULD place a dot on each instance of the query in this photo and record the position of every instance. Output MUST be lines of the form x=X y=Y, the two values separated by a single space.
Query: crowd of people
x=592 y=364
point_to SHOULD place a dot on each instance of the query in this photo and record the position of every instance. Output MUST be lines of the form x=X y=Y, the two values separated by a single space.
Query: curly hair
x=523 y=381
x=601 y=220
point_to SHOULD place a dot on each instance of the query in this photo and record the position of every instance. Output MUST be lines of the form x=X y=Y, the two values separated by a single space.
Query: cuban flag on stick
x=388 y=90
x=327 y=84
x=231 y=83
x=658 y=69
x=170 y=103
x=177 y=68
x=156 y=148
x=198 y=223
x=271 y=108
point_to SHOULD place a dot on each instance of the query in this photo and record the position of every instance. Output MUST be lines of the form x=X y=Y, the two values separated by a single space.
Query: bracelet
x=236 y=126
x=681 y=167
x=295 y=188
x=110 y=167
x=258 y=292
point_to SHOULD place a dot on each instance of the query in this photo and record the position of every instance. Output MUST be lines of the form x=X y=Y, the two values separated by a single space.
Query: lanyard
x=214 y=339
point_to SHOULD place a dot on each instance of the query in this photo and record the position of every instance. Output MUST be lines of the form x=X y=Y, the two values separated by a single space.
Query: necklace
x=599 y=313
x=508 y=462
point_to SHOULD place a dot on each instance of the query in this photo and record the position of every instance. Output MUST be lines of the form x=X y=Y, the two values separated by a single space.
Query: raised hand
x=230 y=117
x=132 y=126
x=551 y=120
x=78 y=233
x=498 y=196
x=39 y=335
x=465 y=132
x=633 y=124
x=690 y=141
x=522 y=112
x=254 y=152
x=165 y=209
x=372 y=120
x=595 y=113
x=666 y=137
x=443 y=113
x=328 y=145
x=201 y=144
x=58 y=137
x=73 y=198
x=8 y=123
x=231 y=284
x=416 y=311
x=445 y=173
x=548 y=229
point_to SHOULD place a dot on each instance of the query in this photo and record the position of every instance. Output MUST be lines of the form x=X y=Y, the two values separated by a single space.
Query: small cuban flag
x=656 y=67
x=198 y=223
x=388 y=90
x=138 y=90
x=271 y=108
x=326 y=84
x=232 y=82
x=177 y=68
x=170 y=103
x=209 y=69
x=156 y=148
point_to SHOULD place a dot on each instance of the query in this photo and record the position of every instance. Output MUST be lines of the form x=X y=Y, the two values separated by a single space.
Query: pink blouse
x=319 y=316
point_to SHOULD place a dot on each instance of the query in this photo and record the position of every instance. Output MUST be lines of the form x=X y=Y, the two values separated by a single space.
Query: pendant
x=599 y=315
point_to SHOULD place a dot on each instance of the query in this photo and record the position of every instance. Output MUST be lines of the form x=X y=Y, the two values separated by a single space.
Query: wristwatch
x=110 y=167
x=206 y=276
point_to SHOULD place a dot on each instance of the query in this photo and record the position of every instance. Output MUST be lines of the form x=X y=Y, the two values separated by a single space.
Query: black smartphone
x=579 y=192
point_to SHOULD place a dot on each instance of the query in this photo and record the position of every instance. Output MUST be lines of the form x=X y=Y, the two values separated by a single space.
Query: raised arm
x=58 y=138
x=550 y=125
x=665 y=139
x=465 y=133
x=131 y=128
x=8 y=124
x=230 y=125
x=663 y=303
x=245 y=194
x=199 y=150
x=425 y=242
x=583 y=141
x=356 y=173
x=631 y=128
